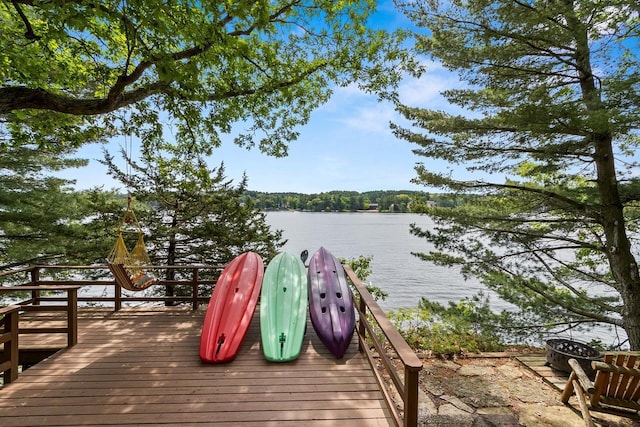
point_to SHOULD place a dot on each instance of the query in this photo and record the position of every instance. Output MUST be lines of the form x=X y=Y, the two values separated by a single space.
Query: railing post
x=117 y=297
x=362 y=330
x=195 y=288
x=411 y=396
x=72 y=317
x=10 y=354
x=35 y=280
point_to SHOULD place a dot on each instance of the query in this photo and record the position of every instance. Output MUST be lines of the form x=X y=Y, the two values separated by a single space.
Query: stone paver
x=455 y=401
x=480 y=391
x=494 y=392
x=472 y=370
x=533 y=415
x=491 y=392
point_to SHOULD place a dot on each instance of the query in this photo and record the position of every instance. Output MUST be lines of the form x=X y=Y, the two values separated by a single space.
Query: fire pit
x=559 y=351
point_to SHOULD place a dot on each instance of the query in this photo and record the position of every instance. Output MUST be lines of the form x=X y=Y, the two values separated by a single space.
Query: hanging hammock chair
x=126 y=266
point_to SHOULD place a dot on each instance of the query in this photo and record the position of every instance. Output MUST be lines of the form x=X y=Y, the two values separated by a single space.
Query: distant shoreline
x=309 y=211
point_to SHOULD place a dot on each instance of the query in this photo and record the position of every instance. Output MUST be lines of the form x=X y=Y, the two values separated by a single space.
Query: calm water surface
x=386 y=237
x=403 y=276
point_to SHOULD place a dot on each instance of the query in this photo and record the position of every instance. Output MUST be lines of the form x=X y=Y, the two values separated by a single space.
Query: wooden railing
x=44 y=295
x=37 y=277
x=9 y=341
x=369 y=334
x=34 y=304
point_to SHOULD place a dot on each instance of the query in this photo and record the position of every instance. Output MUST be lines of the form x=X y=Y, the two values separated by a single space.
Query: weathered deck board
x=138 y=367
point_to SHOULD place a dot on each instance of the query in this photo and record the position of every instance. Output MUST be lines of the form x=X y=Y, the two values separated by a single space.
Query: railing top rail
x=15 y=271
x=405 y=353
x=105 y=266
x=9 y=309
x=16 y=288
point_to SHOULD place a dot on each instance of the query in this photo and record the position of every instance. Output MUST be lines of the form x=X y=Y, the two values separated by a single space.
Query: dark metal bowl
x=559 y=351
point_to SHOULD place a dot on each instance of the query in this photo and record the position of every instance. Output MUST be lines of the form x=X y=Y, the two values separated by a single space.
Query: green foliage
x=547 y=127
x=603 y=347
x=42 y=220
x=352 y=201
x=73 y=68
x=361 y=266
x=189 y=212
x=466 y=327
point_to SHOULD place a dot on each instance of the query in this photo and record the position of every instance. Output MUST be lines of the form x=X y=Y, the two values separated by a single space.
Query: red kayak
x=231 y=308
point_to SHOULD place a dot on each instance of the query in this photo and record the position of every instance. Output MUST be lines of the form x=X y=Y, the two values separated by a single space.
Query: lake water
x=386 y=237
x=403 y=276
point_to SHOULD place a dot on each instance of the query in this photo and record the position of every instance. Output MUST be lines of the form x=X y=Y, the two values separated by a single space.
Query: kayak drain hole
x=338 y=294
x=322 y=295
x=324 y=309
x=342 y=309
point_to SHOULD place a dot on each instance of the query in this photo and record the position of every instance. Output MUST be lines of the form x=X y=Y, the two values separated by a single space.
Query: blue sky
x=347 y=145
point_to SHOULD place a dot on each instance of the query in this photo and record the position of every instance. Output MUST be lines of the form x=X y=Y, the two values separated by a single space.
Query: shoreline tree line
x=400 y=201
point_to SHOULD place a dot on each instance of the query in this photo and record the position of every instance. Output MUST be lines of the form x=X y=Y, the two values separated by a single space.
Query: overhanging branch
x=19 y=98
x=29 y=34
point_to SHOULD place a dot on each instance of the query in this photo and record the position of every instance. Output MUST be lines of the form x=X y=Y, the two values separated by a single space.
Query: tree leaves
x=267 y=64
x=192 y=213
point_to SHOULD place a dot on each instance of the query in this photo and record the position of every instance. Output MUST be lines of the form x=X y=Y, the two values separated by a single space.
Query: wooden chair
x=139 y=282
x=616 y=388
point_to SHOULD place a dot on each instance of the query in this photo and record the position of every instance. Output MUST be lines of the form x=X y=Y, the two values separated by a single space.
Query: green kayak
x=283 y=308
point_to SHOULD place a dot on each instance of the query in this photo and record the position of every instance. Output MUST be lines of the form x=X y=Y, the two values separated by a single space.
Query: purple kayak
x=330 y=302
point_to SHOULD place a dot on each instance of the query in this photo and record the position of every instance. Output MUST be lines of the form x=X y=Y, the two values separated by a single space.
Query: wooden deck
x=141 y=366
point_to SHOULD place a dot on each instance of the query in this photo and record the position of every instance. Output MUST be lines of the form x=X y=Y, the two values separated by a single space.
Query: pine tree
x=548 y=131
x=191 y=213
x=42 y=218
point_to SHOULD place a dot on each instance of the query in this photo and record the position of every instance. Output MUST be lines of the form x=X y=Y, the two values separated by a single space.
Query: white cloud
x=342 y=96
x=373 y=119
x=426 y=91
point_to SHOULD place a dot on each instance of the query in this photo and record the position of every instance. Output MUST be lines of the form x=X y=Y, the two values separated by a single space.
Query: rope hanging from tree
x=127 y=266
x=131 y=262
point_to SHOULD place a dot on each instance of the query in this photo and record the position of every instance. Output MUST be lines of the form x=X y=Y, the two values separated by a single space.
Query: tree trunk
x=171 y=258
x=617 y=246
x=631 y=315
